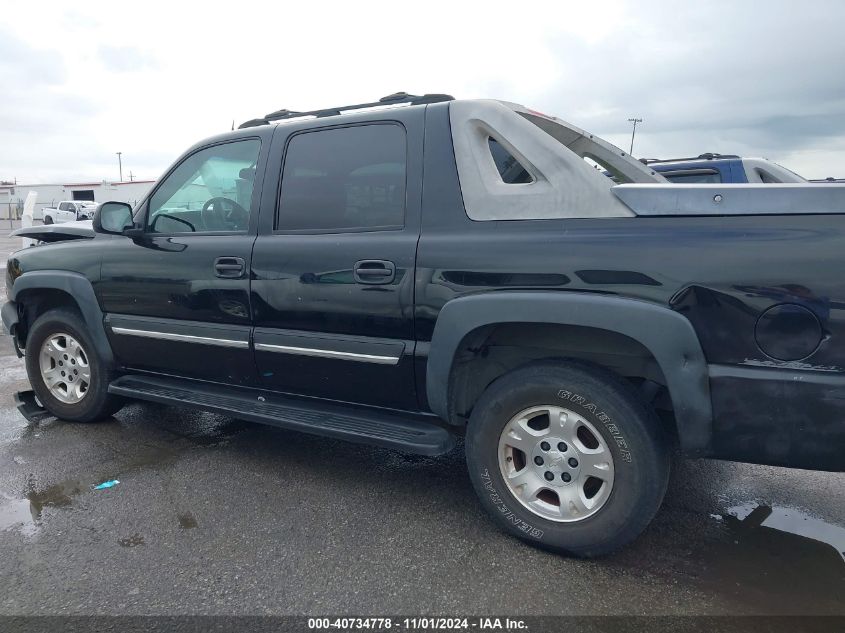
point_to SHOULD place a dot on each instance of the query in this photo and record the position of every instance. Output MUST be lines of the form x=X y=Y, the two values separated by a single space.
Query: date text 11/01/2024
x=415 y=624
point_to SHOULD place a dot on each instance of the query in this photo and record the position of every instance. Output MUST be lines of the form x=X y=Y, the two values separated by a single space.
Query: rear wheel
x=67 y=375
x=566 y=456
x=48 y=219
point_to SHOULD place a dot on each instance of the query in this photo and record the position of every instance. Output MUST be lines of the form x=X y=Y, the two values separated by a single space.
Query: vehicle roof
x=391 y=100
x=264 y=127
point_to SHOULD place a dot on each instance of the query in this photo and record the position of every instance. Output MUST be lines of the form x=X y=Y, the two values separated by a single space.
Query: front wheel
x=67 y=375
x=564 y=455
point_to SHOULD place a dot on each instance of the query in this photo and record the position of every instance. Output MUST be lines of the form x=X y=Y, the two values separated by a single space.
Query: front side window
x=344 y=179
x=210 y=190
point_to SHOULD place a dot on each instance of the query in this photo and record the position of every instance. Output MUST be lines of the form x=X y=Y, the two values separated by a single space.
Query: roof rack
x=394 y=99
x=706 y=156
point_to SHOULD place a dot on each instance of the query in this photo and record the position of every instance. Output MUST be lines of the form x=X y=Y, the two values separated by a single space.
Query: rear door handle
x=374 y=271
x=229 y=267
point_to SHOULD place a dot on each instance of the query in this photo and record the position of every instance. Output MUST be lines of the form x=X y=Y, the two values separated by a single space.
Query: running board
x=381 y=428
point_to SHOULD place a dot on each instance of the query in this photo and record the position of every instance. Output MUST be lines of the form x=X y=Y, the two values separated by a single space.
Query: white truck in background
x=67 y=211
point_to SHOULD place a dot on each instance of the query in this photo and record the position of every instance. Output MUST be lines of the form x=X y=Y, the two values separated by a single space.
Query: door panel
x=192 y=348
x=303 y=297
x=332 y=288
x=169 y=285
x=177 y=299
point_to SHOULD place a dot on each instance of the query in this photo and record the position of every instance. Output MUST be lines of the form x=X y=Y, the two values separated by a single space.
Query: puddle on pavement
x=25 y=514
x=791 y=521
x=777 y=560
x=15 y=428
x=17 y=514
x=200 y=428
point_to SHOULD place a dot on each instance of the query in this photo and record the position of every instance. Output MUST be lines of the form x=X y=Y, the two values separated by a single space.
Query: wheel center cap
x=555 y=461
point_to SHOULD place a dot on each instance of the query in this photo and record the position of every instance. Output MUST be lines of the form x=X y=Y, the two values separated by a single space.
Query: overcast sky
x=149 y=79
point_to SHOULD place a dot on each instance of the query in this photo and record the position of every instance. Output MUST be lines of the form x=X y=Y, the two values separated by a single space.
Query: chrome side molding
x=184 y=338
x=325 y=353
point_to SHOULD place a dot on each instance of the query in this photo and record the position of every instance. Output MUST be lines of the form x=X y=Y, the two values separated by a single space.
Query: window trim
x=337 y=230
x=144 y=210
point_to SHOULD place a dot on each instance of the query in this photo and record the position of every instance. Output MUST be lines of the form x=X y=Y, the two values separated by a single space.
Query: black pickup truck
x=416 y=270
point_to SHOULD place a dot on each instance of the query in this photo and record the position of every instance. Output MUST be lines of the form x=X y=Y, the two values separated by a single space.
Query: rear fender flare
x=669 y=336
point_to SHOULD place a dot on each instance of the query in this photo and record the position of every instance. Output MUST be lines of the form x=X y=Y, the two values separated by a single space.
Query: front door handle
x=229 y=267
x=374 y=271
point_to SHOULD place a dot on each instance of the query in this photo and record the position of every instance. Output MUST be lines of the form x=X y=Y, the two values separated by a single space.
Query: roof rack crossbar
x=393 y=99
x=705 y=156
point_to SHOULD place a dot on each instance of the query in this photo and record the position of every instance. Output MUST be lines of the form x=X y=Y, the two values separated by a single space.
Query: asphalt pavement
x=218 y=516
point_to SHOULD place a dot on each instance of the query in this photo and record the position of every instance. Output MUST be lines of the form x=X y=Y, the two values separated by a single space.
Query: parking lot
x=213 y=515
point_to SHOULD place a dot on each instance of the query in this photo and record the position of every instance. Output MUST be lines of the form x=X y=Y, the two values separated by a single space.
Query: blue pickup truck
x=721 y=168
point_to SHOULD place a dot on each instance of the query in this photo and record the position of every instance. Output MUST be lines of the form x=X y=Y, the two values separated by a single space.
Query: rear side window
x=344 y=179
x=509 y=168
x=692 y=177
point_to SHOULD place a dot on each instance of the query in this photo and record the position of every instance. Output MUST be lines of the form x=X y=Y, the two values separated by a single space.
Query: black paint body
x=776 y=376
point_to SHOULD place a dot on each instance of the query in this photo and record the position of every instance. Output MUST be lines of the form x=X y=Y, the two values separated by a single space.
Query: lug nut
x=545 y=446
x=573 y=462
x=538 y=460
x=548 y=475
x=561 y=446
x=566 y=477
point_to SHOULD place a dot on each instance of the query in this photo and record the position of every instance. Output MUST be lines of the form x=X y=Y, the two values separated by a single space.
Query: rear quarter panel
x=721 y=273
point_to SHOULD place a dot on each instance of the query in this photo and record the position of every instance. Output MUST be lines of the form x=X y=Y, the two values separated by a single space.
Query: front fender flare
x=665 y=333
x=80 y=289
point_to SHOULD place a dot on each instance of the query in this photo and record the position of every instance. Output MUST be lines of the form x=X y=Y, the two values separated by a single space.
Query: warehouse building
x=12 y=195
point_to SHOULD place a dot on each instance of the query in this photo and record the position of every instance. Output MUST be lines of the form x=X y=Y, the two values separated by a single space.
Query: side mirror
x=113 y=218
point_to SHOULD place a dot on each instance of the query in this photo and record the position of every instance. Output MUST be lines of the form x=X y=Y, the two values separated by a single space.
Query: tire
x=603 y=426
x=48 y=219
x=67 y=399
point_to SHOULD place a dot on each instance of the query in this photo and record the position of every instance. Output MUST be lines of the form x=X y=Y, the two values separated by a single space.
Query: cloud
x=125 y=59
x=23 y=65
x=712 y=77
x=739 y=77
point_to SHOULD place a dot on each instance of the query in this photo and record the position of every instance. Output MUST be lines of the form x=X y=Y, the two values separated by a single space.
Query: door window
x=210 y=191
x=344 y=179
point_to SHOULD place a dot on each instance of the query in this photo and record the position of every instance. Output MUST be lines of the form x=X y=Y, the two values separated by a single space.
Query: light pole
x=120 y=164
x=633 y=132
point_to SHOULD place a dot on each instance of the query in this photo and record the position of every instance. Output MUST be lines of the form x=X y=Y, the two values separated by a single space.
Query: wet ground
x=214 y=515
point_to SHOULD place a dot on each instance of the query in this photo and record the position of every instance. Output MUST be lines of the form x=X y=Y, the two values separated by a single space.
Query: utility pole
x=131 y=177
x=633 y=133
x=120 y=164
